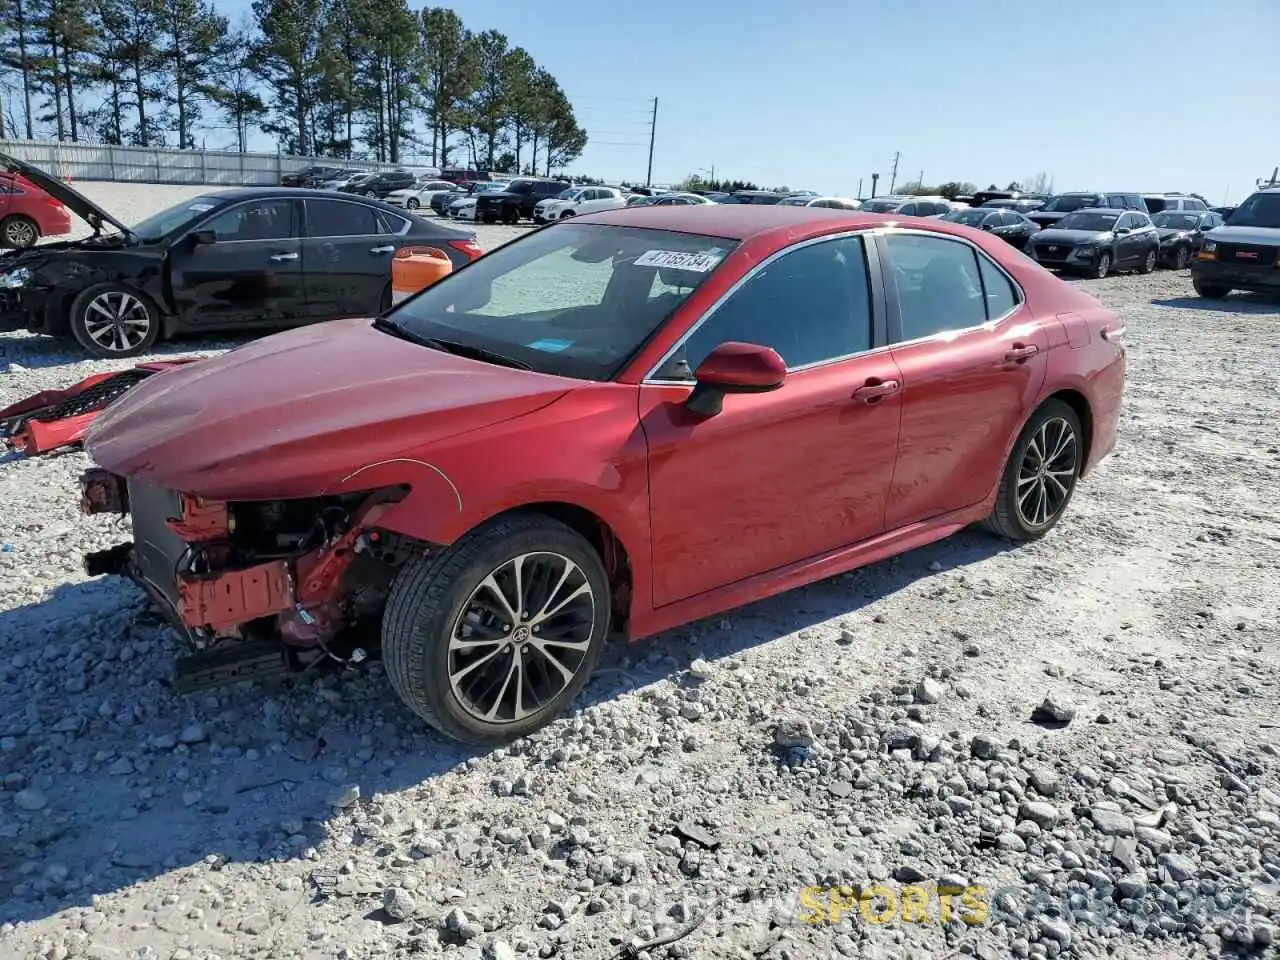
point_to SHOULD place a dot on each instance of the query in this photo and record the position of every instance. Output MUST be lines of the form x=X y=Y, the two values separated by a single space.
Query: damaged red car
x=613 y=425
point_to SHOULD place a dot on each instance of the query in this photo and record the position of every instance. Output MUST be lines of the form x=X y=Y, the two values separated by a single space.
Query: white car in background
x=836 y=203
x=577 y=200
x=420 y=194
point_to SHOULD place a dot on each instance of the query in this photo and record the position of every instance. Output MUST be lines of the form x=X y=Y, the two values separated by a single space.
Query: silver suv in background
x=1173 y=203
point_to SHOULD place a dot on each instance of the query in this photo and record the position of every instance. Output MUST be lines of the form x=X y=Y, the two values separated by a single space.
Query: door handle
x=389 y=248
x=875 y=392
x=283 y=257
x=1022 y=352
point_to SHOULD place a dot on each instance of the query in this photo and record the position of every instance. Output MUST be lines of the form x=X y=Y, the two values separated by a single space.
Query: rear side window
x=1193 y=204
x=334 y=218
x=943 y=285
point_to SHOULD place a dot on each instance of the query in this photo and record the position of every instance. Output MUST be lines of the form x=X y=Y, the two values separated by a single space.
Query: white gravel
x=874 y=729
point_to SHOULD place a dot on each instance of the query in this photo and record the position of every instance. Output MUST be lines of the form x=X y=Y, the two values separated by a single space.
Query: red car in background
x=27 y=213
x=628 y=421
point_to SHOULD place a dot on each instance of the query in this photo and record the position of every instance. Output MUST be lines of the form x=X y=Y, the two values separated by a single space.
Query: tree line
x=335 y=78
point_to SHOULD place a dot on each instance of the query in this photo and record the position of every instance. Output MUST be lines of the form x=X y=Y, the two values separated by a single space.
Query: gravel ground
x=887 y=729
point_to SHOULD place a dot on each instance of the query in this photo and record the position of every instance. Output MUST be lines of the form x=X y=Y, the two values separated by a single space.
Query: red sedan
x=626 y=421
x=27 y=213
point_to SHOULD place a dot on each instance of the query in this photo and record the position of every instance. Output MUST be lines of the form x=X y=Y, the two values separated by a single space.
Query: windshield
x=1093 y=222
x=1178 y=221
x=1067 y=204
x=1011 y=204
x=575 y=301
x=970 y=218
x=1260 y=210
x=167 y=221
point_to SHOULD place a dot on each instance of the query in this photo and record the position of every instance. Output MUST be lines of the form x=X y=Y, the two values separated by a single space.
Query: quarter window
x=938 y=282
x=334 y=218
x=1002 y=295
x=264 y=220
x=810 y=305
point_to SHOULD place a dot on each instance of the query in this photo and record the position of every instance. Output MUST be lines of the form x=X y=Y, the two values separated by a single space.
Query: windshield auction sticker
x=698 y=262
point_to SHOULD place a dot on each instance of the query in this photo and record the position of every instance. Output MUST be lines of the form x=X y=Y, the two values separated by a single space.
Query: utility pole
x=653 y=128
x=875 y=178
x=893 y=177
x=858 y=195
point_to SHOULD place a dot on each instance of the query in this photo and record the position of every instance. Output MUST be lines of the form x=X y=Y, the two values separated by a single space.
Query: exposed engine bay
x=258 y=588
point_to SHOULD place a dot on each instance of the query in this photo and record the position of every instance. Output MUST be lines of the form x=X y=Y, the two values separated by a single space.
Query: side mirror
x=734 y=368
x=988 y=225
x=1121 y=231
x=200 y=238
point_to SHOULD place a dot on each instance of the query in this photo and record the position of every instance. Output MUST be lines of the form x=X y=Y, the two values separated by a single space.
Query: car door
x=970 y=366
x=778 y=477
x=241 y=266
x=346 y=256
x=1131 y=245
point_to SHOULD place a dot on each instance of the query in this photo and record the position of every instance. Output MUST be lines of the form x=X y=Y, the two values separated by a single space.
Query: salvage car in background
x=1096 y=242
x=1243 y=253
x=27 y=213
x=887 y=386
x=1009 y=226
x=234 y=260
x=577 y=200
x=1181 y=235
x=516 y=200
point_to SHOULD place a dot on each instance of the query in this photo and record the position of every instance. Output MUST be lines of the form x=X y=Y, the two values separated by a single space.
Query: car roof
x=744 y=221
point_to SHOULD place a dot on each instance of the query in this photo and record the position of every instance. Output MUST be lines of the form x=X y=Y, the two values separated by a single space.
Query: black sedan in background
x=1181 y=235
x=1096 y=241
x=242 y=259
x=1011 y=227
x=380 y=184
x=309 y=177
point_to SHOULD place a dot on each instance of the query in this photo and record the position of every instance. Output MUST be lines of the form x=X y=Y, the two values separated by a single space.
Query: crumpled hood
x=291 y=414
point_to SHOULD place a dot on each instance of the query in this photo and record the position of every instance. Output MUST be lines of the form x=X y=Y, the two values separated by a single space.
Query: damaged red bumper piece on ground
x=53 y=419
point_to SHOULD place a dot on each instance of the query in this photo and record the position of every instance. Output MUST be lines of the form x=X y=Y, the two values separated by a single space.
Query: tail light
x=472 y=249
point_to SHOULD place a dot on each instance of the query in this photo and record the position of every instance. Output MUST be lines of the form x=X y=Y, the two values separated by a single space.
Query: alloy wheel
x=1150 y=263
x=412 y=203
x=521 y=637
x=20 y=233
x=117 y=321
x=1183 y=258
x=1104 y=266
x=1047 y=472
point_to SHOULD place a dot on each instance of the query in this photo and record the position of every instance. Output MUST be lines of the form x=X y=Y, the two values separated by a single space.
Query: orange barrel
x=416 y=268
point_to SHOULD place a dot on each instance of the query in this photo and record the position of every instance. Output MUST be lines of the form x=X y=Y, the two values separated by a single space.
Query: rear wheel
x=1040 y=475
x=1210 y=291
x=493 y=637
x=19 y=232
x=111 y=320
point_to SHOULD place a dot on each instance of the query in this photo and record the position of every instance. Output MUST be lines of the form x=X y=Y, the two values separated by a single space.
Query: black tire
x=371 y=193
x=1182 y=258
x=412 y=203
x=1210 y=291
x=1149 y=261
x=511 y=217
x=18 y=232
x=1008 y=519
x=86 y=317
x=431 y=595
x=566 y=215
x=1102 y=268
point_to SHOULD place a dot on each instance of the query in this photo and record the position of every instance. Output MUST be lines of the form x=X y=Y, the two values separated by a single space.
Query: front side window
x=263 y=220
x=938 y=282
x=810 y=305
x=333 y=218
x=576 y=301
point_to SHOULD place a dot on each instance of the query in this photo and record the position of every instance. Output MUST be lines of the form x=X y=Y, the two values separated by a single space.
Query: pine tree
x=451 y=75
x=192 y=40
x=286 y=60
x=16 y=54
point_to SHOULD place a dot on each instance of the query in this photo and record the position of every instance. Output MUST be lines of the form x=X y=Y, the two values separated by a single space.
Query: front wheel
x=1040 y=475
x=412 y=203
x=1103 y=267
x=493 y=637
x=1210 y=291
x=566 y=215
x=1149 y=262
x=110 y=321
x=1182 y=258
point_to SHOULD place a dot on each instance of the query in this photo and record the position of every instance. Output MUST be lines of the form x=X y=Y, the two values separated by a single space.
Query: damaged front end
x=258 y=587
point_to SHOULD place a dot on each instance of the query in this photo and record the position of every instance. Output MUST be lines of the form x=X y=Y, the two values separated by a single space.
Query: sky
x=1145 y=95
